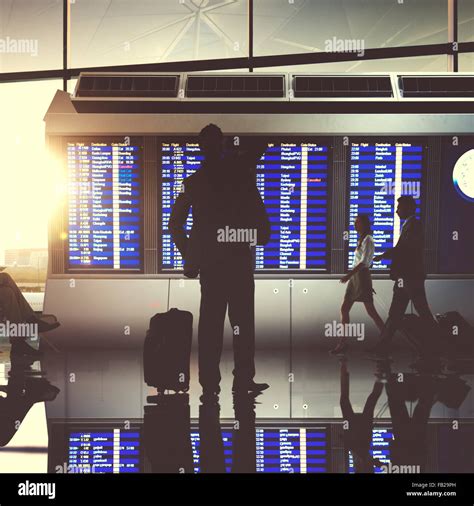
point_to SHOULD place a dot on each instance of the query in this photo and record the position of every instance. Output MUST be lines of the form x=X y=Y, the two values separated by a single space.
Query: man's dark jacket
x=407 y=255
x=221 y=195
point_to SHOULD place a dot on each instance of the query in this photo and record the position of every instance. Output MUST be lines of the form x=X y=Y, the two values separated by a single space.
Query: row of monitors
x=274 y=447
x=278 y=449
x=294 y=178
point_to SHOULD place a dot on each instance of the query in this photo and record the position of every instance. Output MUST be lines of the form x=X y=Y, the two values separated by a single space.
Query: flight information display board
x=277 y=449
x=104 y=206
x=292 y=178
x=104 y=451
x=179 y=159
x=379 y=449
x=380 y=172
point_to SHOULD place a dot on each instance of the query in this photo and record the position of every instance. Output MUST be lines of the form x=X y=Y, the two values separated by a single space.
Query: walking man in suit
x=407 y=270
x=228 y=218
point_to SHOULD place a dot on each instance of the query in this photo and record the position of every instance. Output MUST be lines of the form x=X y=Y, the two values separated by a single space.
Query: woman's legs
x=346 y=406
x=345 y=311
x=372 y=312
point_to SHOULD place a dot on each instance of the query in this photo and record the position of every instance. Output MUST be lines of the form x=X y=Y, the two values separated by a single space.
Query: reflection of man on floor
x=409 y=446
x=14 y=308
x=358 y=435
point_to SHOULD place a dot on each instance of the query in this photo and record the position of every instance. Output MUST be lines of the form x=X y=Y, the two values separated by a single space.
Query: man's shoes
x=249 y=386
x=38 y=390
x=209 y=397
x=21 y=348
x=210 y=393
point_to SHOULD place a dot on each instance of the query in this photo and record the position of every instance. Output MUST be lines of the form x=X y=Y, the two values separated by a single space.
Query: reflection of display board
x=379 y=448
x=226 y=444
x=380 y=172
x=292 y=178
x=104 y=215
x=104 y=451
x=277 y=450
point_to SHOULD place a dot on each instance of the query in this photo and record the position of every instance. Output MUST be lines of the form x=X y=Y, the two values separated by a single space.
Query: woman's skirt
x=359 y=287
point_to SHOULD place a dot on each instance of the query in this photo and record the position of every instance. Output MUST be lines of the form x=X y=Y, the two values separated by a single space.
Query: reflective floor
x=82 y=410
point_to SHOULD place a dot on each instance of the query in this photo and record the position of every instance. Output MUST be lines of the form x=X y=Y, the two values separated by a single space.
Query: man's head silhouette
x=406 y=206
x=211 y=142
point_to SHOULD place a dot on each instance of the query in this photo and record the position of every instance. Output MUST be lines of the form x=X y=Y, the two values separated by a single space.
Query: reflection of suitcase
x=167 y=351
x=457 y=331
x=414 y=331
x=166 y=435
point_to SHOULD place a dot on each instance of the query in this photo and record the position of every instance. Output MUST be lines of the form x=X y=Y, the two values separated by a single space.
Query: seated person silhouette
x=228 y=218
x=407 y=270
x=358 y=434
x=14 y=308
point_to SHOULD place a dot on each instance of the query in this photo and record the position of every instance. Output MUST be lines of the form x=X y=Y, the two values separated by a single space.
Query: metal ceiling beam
x=246 y=63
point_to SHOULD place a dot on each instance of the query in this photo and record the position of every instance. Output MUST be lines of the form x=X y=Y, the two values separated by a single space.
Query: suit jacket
x=220 y=195
x=407 y=255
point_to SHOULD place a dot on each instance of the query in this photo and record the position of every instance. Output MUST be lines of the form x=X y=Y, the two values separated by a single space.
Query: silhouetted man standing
x=407 y=270
x=228 y=218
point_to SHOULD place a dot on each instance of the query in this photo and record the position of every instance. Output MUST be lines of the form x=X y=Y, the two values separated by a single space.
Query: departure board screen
x=379 y=449
x=104 y=451
x=380 y=172
x=293 y=180
x=104 y=213
x=179 y=159
x=277 y=450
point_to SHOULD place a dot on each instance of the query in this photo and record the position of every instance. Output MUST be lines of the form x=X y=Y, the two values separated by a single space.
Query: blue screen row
x=277 y=450
x=105 y=200
x=109 y=451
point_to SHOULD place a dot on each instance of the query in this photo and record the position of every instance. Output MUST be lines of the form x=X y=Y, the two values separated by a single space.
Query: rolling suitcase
x=167 y=351
x=457 y=331
x=425 y=337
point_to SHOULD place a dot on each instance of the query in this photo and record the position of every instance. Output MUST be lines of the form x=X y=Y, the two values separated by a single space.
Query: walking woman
x=359 y=287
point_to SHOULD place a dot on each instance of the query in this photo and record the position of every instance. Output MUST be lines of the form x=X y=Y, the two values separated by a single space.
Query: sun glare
x=31 y=180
